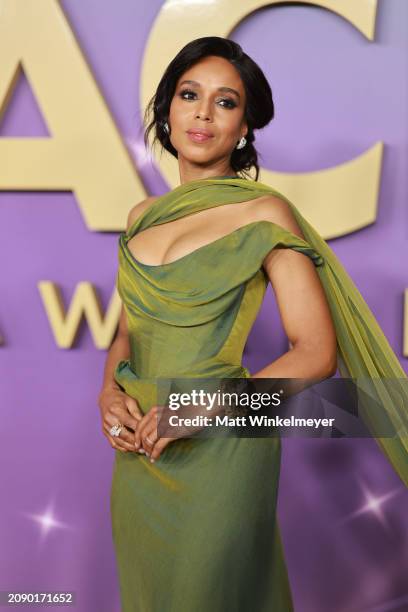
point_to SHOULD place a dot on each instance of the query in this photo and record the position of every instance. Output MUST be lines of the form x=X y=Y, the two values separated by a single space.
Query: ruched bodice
x=192 y=316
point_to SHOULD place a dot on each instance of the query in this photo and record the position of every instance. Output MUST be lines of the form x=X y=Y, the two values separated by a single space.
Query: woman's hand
x=146 y=436
x=116 y=406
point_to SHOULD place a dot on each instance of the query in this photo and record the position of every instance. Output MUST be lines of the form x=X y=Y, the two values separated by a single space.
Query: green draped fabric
x=197 y=530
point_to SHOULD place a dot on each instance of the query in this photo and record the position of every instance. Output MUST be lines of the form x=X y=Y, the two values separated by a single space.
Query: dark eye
x=186 y=91
x=229 y=103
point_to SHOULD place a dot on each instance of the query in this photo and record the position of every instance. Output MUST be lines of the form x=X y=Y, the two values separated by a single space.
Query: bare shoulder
x=275 y=209
x=138 y=209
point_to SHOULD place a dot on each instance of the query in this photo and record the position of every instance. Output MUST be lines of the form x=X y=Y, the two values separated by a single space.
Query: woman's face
x=213 y=100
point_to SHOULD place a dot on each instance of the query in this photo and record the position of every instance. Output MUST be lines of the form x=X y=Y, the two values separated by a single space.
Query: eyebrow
x=226 y=89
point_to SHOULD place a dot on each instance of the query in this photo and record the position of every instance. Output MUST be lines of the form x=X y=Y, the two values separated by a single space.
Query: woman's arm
x=302 y=304
x=114 y=404
x=119 y=349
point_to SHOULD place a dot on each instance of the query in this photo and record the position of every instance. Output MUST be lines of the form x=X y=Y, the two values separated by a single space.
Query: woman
x=194 y=520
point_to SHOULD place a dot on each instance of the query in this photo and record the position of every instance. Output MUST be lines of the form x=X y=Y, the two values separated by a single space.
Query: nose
x=203 y=116
x=203 y=111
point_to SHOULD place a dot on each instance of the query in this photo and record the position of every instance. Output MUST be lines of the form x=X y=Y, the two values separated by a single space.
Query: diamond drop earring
x=166 y=127
x=241 y=143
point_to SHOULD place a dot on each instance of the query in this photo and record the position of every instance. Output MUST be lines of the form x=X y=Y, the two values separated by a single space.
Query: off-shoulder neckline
x=209 y=245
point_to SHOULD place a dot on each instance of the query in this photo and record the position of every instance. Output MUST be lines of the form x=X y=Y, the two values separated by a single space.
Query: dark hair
x=259 y=108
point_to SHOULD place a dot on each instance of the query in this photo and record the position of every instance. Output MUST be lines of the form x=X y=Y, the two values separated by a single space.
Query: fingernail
x=151 y=460
x=141 y=450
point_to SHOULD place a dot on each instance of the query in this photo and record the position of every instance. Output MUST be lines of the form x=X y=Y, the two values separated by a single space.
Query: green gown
x=197 y=530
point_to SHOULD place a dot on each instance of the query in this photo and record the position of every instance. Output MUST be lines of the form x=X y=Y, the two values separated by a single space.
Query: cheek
x=229 y=123
x=172 y=112
x=228 y=132
x=176 y=111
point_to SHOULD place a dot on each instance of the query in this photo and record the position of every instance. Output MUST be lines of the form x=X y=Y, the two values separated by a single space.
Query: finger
x=143 y=426
x=149 y=436
x=124 y=440
x=117 y=444
x=158 y=448
x=120 y=412
x=125 y=435
x=140 y=427
x=133 y=407
x=144 y=433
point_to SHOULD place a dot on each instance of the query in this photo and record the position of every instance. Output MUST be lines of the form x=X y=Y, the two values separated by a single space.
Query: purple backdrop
x=342 y=509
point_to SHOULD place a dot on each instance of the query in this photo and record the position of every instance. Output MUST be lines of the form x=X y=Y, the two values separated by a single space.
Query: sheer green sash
x=362 y=348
